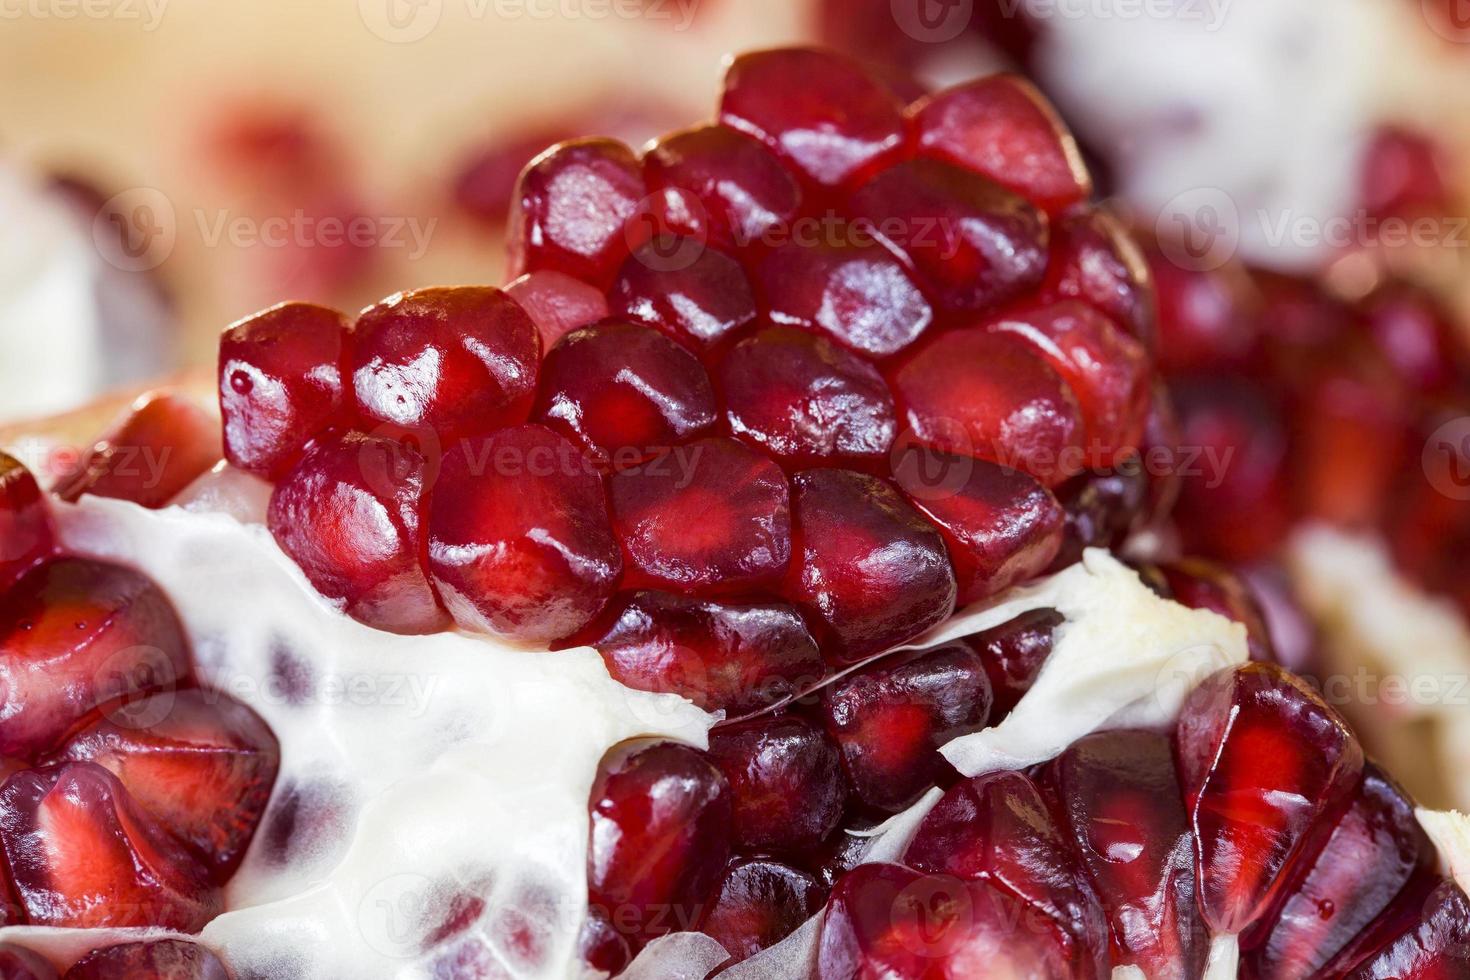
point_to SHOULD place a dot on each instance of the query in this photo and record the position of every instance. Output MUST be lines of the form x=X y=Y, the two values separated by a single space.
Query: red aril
x=159 y=959
x=693 y=293
x=1013 y=654
x=1101 y=508
x=1094 y=260
x=1207 y=319
x=1201 y=584
x=27 y=534
x=1416 y=335
x=786 y=783
x=1426 y=940
x=601 y=946
x=759 y=903
x=557 y=303
x=164 y=444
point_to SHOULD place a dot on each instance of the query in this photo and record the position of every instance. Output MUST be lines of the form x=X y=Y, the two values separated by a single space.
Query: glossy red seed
x=759 y=903
x=1202 y=584
x=1101 y=509
x=732 y=656
x=820 y=110
x=891 y=718
x=848 y=286
x=1416 y=335
x=454 y=360
x=159 y=959
x=689 y=291
x=280 y=384
x=1208 y=320
x=660 y=837
x=805 y=400
x=75 y=634
x=990 y=395
x=601 y=946
x=710 y=517
x=350 y=515
x=27 y=534
x=1368 y=860
x=625 y=393
x=866 y=563
x=1002 y=128
x=719 y=185
x=557 y=303
x=200 y=762
x=574 y=211
x=1001 y=527
x=786 y=782
x=164 y=444
x=1404 y=171
x=973 y=243
x=1013 y=654
x=83 y=854
x=1430 y=941
x=1093 y=259
x=519 y=541
x=1121 y=803
x=19 y=963
x=1262 y=759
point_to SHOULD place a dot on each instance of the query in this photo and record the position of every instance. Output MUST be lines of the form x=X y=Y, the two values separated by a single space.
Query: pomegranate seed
x=159 y=959
x=1207 y=320
x=1093 y=259
x=84 y=855
x=660 y=837
x=819 y=110
x=891 y=718
x=866 y=563
x=1001 y=526
x=688 y=291
x=19 y=963
x=1428 y=940
x=759 y=903
x=75 y=634
x=844 y=850
x=349 y=515
x=1262 y=758
x=1403 y=173
x=1201 y=584
x=805 y=400
x=974 y=244
x=164 y=444
x=199 y=762
x=1373 y=852
x=1002 y=128
x=1013 y=654
x=519 y=542
x=557 y=303
x=1296 y=319
x=851 y=288
x=1101 y=509
x=1416 y=335
x=1122 y=803
x=991 y=395
x=454 y=360
x=712 y=517
x=737 y=657
x=280 y=384
x=720 y=185
x=601 y=946
x=786 y=782
x=574 y=209
x=27 y=534
x=624 y=392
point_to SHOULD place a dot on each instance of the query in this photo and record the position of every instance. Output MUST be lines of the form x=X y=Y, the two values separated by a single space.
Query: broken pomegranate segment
x=163 y=444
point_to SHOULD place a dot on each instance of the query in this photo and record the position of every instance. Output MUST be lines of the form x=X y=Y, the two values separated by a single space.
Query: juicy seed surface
x=759 y=903
x=691 y=292
x=786 y=781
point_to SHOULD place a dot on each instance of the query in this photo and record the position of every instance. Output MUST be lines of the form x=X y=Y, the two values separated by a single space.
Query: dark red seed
x=159 y=959
x=601 y=946
x=866 y=563
x=1429 y=940
x=786 y=781
x=849 y=287
x=820 y=110
x=973 y=243
x=1101 y=509
x=845 y=849
x=732 y=656
x=1201 y=584
x=711 y=517
x=624 y=392
x=1416 y=335
x=1095 y=260
x=519 y=540
x=454 y=360
x=1001 y=526
x=280 y=384
x=574 y=211
x=27 y=534
x=686 y=289
x=19 y=963
x=1207 y=320
x=349 y=515
x=557 y=303
x=164 y=444
x=891 y=718
x=805 y=400
x=759 y=903
x=1262 y=759
x=720 y=185
x=990 y=395
x=660 y=837
x=1014 y=653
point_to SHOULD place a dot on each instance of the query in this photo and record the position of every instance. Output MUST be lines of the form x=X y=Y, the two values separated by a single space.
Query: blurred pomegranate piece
x=1013 y=654
x=601 y=946
x=890 y=719
x=1201 y=584
x=1426 y=940
x=819 y=110
x=453 y=360
x=1416 y=335
x=159 y=959
x=1093 y=259
x=1404 y=172
x=349 y=515
x=199 y=762
x=74 y=635
x=280 y=384
x=164 y=444
x=866 y=563
x=27 y=534
x=1262 y=760
x=786 y=781
x=759 y=903
x=519 y=541
x=660 y=837
x=1207 y=320
x=19 y=963
x=83 y=854
x=557 y=303
x=693 y=293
